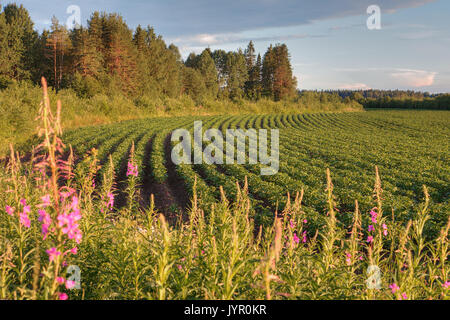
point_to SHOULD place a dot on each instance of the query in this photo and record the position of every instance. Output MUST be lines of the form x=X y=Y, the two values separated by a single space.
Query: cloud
x=180 y=17
x=354 y=86
x=418 y=35
x=206 y=39
x=414 y=78
x=385 y=77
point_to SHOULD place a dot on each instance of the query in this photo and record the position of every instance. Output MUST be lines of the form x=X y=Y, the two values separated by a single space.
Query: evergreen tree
x=268 y=72
x=5 y=61
x=176 y=52
x=193 y=84
x=220 y=60
x=18 y=40
x=87 y=61
x=252 y=86
x=120 y=53
x=277 y=79
x=208 y=70
x=159 y=65
x=250 y=56
x=57 y=50
x=257 y=78
x=192 y=61
x=237 y=74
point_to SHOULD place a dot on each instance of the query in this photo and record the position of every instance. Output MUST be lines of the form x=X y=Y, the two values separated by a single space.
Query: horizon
x=415 y=32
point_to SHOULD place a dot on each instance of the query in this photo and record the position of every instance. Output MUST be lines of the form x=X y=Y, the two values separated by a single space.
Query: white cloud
x=414 y=78
x=206 y=39
x=354 y=86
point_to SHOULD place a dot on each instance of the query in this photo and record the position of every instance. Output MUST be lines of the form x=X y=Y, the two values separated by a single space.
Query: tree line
x=108 y=55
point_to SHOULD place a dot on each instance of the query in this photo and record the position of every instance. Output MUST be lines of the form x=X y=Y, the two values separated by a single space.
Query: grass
x=59 y=230
x=19 y=103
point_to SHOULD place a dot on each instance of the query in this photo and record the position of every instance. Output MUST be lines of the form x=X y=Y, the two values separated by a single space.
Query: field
x=410 y=149
x=358 y=210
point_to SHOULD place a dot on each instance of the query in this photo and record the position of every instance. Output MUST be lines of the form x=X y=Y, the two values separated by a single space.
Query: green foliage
x=17 y=43
x=277 y=79
x=249 y=242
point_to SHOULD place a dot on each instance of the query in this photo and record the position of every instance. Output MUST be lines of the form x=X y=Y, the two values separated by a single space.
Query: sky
x=330 y=43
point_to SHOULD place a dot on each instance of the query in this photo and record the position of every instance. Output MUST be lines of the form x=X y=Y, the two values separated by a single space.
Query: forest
x=107 y=56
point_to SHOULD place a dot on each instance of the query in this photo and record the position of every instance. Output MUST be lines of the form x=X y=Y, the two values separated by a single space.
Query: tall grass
x=63 y=237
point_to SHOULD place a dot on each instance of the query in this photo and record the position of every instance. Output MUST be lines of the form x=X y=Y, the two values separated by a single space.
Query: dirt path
x=170 y=197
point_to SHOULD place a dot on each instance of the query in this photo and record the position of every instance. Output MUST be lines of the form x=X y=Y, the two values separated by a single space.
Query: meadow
x=358 y=210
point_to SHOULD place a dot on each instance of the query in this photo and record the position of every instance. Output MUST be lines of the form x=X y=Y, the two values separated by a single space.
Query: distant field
x=411 y=149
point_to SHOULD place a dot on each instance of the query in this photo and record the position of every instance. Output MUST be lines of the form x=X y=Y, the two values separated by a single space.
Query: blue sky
x=330 y=44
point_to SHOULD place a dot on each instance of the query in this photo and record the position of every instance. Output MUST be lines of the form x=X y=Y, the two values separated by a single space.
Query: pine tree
x=285 y=83
x=277 y=79
x=120 y=53
x=268 y=72
x=220 y=60
x=57 y=50
x=87 y=61
x=5 y=61
x=193 y=84
x=160 y=66
x=208 y=70
x=256 y=76
x=250 y=56
x=252 y=85
x=237 y=74
x=19 y=41
x=192 y=61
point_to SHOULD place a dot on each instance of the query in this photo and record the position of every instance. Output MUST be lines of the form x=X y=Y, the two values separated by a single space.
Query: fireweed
x=52 y=217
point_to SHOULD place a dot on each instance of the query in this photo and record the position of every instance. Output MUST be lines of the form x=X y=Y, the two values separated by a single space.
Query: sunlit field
x=359 y=209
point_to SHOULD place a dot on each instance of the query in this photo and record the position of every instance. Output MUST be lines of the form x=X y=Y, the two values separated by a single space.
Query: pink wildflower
x=446 y=284
x=110 y=203
x=62 y=296
x=70 y=284
x=66 y=194
x=371 y=228
x=74 y=250
x=292 y=224
x=23 y=216
x=304 y=237
x=374 y=216
x=60 y=280
x=296 y=239
x=68 y=221
x=53 y=253
x=46 y=220
x=305 y=221
x=369 y=239
x=132 y=170
x=45 y=201
x=404 y=296
x=348 y=260
x=10 y=210
x=394 y=287
x=385 y=232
